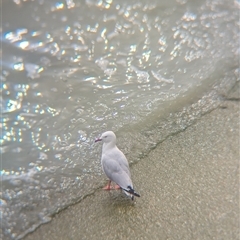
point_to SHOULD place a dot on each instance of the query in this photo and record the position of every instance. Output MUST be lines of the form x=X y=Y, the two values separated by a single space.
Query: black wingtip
x=131 y=190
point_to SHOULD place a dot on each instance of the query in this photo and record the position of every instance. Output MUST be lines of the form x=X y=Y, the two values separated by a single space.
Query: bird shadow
x=116 y=198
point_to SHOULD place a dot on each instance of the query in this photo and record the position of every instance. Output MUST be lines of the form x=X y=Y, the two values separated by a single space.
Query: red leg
x=108 y=187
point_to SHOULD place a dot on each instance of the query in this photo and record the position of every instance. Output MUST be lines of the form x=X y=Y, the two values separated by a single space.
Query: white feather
x=115 y=164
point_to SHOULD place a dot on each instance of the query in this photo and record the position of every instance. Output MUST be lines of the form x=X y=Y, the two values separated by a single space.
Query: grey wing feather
x=115 y=172
x=121 y=159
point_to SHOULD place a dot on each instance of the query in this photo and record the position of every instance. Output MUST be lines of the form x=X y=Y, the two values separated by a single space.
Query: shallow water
x=71 y=70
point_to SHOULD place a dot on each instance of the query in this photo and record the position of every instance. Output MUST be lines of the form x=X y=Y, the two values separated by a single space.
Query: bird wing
x=115 y=172
x=121 y=159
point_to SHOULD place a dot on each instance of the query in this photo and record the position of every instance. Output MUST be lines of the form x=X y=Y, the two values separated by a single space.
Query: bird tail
x=130 y=191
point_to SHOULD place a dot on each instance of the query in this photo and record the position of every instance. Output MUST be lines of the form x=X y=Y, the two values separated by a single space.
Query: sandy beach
x=189 y=186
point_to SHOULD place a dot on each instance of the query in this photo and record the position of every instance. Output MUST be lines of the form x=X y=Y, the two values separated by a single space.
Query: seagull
x=115 y=165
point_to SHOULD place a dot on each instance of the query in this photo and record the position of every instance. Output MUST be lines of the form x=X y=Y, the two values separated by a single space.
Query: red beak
x=98 y=140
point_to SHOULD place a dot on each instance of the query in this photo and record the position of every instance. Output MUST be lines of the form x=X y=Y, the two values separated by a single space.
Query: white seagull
x=115 y=165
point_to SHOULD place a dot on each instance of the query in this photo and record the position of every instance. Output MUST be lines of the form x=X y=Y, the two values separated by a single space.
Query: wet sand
x=189 y=186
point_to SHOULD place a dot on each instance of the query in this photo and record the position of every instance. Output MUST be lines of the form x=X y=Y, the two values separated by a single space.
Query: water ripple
x=74 y=69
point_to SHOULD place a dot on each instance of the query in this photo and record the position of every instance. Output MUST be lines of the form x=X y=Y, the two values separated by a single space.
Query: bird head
x=107 y=137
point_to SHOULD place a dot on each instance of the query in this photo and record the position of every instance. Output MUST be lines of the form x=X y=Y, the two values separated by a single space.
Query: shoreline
x=189 y=187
